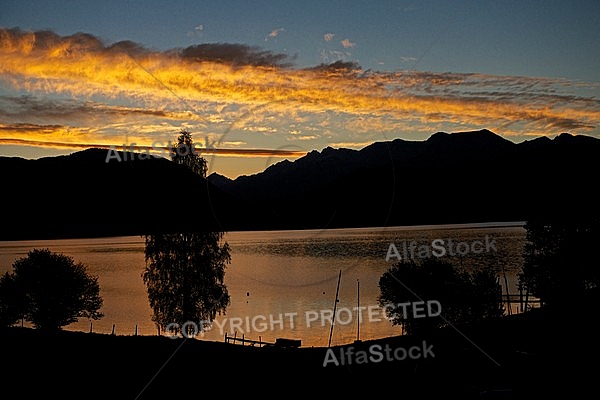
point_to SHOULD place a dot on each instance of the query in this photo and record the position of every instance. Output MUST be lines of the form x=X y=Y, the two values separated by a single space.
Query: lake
x=283 y=284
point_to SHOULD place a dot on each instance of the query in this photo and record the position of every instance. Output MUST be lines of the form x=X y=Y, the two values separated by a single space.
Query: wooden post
x=521 y=297
x=135 y=329
x=507 y=292
x=358 y=310
x=113 y=330
x=334 y=308
x=90 y=326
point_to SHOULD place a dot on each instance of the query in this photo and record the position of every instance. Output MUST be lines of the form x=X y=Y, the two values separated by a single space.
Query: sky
x=256 y=82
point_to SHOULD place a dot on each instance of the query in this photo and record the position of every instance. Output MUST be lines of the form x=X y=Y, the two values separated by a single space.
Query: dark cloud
x=226 y=53
x=234 y=54
x=133 y=146
x=129 y=47
x=337 y=66
x=12 y=107
x=44 y=40
x=20 y=127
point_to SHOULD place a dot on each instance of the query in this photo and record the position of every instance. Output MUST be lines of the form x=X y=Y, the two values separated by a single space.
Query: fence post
x=521 y=297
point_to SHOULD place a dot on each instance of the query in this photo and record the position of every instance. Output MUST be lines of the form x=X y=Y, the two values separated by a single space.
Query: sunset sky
x=260 y=81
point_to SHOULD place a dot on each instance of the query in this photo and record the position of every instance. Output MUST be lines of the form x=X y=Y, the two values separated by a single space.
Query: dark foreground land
x=532 y=355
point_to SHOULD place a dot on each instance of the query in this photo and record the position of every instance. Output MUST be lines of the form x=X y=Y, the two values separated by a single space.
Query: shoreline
x=465 y=225
x=503 y=357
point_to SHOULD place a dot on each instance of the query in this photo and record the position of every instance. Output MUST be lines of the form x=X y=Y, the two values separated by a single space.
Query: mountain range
x=462 y=177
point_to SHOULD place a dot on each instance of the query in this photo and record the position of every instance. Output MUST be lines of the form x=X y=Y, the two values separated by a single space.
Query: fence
x=243 y=341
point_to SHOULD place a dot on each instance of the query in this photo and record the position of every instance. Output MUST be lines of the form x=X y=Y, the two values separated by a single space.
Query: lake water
x=283 y=284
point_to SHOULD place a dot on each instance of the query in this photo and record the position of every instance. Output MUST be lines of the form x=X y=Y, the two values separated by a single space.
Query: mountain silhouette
x=462 y=177
x=82 y=195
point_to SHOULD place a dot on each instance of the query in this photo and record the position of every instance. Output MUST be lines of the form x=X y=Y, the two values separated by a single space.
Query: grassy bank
x=529 y=355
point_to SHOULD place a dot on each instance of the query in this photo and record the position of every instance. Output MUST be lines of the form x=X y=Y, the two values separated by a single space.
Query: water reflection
x=279 y=273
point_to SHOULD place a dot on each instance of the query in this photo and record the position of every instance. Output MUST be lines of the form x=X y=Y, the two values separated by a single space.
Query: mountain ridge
x=84 y=195
x=436 y=139
x=501 y=172
x=462 y=177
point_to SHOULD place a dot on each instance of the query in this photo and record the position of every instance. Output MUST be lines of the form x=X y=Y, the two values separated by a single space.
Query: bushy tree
x=464 y=296
x=560 y=261
x=49 y=290
x=12 y=301
x=185 y=271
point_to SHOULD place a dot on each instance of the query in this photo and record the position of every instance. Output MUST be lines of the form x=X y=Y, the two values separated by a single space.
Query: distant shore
x=473 y=225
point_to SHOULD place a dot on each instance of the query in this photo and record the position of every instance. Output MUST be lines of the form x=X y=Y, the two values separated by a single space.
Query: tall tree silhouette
x=185 y=271
x=184 y=153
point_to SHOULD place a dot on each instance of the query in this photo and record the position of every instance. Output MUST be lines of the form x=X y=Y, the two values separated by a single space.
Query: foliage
x=184 y=153
x=185 y=271
x=49 y=290
x=184 y=276
x=560 y=265
x=464 y=296
x=12 y=301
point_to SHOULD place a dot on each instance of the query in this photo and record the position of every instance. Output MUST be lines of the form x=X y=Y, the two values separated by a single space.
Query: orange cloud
x=126 y=89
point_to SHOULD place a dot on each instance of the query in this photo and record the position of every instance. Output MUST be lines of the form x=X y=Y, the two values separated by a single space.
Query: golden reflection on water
x=282 y=283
